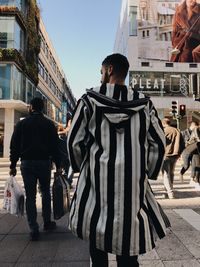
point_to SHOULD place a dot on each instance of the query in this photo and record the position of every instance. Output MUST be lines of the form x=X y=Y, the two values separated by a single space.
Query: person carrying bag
x=61 y=196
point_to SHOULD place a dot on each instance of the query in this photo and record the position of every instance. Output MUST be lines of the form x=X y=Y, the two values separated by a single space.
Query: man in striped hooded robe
x=116 y=142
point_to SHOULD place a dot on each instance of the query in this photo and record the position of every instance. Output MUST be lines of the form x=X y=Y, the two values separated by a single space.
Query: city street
x=61 y=248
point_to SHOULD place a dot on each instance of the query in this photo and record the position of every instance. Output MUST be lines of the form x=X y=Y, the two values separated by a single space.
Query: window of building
x=46 y=76
x=5 y=80
x=11 y=34
x=193 y=65
x=30 y=91
x=50 y=82
x=41 y=69
x=133 y=21
x=17 y=87
x=169 y=64
x=47 y=51
x=19 y=38
x=147 y=33
x=145 y=64
x=143 y=34
x=7 y=32
x=42 y=42
x=3 y=39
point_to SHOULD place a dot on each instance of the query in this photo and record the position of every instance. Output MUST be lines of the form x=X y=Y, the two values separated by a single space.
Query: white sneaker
x=171 y=195
x=192 y=182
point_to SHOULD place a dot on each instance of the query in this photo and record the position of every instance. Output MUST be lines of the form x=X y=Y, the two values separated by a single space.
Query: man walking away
x=35 y=142
x=116 y=142
x=172 y=152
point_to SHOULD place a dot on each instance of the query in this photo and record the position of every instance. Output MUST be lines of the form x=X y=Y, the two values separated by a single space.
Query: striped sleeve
x=77 y=136
x=156 y=141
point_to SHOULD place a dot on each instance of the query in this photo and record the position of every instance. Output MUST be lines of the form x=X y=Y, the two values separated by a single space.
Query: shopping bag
x=13 y=197
x=7 y=195
x=61 y=197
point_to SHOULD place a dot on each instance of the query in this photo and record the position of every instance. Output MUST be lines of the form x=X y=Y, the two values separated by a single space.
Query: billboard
x=169 y=30
x=162 y=83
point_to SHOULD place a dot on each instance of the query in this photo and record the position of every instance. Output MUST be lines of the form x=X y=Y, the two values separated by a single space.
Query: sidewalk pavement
x=180 y=248
x=60 y=248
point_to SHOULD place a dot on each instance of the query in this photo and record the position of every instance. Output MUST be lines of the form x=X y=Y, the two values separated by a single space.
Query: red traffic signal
x=182 y=110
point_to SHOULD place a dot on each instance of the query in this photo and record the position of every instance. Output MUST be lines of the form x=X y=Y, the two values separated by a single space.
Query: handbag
x=61 y=196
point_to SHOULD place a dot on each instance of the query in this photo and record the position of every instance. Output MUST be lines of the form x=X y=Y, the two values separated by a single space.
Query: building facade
x=29 y=67
x=144 y=36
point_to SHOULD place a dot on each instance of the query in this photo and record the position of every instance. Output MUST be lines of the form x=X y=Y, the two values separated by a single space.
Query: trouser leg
x=166 y=175
x=30 y=183
x=44 y=176
x=187 y=156
x=99 y=258
x=172 y=164
x=186 y=162
x=128 y=261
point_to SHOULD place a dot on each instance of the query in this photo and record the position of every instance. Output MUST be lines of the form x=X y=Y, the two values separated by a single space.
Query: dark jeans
x=100 y=259
x=187 y=154
x=195 y=173
x=33 y=170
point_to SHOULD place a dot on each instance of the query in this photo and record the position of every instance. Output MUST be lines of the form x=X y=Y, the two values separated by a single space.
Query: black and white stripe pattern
x=117 y=142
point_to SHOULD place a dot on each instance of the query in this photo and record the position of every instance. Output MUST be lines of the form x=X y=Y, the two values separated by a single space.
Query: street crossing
x=179 y=248
x=185 y=194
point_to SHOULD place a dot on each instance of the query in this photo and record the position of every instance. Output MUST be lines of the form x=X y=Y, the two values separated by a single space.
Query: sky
x=83 y=34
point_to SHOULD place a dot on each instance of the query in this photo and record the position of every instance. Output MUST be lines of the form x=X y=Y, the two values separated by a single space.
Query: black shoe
x=34 y=236
x=49 y=226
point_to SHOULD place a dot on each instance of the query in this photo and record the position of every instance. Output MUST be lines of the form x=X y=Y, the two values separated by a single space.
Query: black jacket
x=34 y=138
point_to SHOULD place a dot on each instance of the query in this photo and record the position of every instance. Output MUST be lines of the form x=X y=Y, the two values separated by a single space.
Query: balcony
x=12 y=55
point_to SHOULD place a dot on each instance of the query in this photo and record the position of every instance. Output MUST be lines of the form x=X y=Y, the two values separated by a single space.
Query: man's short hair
x=37 y=104
x=119 y=63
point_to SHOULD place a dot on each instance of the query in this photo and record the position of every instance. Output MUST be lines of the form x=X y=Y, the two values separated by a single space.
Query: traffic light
x=174 y=108
x=182 y=110
x=193 y=84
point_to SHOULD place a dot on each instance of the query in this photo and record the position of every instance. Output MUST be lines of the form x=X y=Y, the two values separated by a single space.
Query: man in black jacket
x=35 y=142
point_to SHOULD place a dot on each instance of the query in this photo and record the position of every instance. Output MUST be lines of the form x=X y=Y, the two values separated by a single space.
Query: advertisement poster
x=169 y=30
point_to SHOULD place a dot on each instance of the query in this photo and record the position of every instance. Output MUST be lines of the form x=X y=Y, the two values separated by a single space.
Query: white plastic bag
x=7 y=195
x=13 y=197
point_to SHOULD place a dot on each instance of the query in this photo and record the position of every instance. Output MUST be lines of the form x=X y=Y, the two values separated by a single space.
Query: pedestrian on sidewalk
x=190 y=150
x=172 y=153
x=65 y=164
x=117 y=143
x=35 y=143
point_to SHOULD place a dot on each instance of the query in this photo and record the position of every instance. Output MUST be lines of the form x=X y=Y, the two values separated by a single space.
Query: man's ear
x=110 y=70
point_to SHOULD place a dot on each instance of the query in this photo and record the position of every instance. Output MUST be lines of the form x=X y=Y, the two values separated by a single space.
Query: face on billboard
x=169 y=30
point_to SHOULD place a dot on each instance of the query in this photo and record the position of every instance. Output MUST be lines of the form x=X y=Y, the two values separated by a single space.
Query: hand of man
x=13 y=172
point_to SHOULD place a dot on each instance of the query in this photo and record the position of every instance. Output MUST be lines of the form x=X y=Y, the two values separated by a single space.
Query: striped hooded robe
x=116 y=142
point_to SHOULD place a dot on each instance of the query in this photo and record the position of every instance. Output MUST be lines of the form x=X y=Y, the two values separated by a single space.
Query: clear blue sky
x=83 y=34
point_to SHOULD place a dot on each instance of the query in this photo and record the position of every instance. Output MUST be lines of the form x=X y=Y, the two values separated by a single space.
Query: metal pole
x=178 y=122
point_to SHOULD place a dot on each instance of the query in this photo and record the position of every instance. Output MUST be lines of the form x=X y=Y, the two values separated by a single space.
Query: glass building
x=24 y=75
